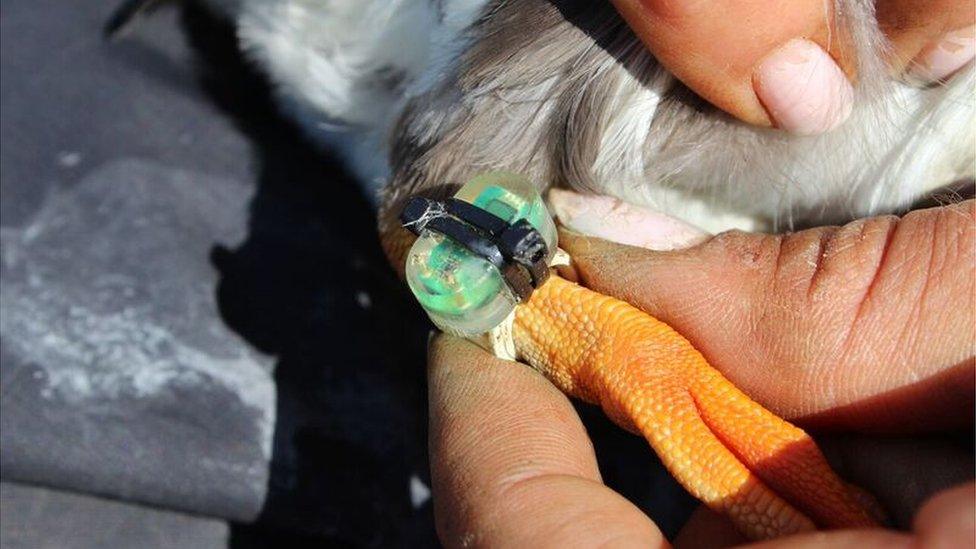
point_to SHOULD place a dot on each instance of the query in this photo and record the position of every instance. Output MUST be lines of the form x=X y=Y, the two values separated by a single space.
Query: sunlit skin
x=743 y=461
x=714 y=47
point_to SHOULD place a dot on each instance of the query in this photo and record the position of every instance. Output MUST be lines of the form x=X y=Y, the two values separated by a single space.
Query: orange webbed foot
x=766 y=475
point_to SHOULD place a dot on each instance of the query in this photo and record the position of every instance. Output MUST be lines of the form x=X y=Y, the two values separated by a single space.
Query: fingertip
x=706 y=529
x=790 y=66
x=511 y=464
x=928 y=45
x=611 y=219
x=566 y=511
x=944 y=57
x=494 y=423
x=657 y=282
x=949 y=518
x=804 y=91
x=604 y=266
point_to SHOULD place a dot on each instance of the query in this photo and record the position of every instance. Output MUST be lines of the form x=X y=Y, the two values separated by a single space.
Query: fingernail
x=942 y=59
x=611 y=219
x=803 y=89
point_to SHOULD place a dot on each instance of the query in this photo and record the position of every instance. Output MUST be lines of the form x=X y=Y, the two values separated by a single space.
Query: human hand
x=864 y=326
x=747 y=57
x=511 y=463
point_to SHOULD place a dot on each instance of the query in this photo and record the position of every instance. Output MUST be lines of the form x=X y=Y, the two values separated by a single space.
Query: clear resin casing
x=463 y=293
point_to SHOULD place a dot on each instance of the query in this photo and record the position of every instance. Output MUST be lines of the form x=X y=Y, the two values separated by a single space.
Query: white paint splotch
x=109 y=301
x=419 y=492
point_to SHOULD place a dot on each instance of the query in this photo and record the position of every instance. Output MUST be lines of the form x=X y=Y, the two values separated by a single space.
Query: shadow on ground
x=310 y=286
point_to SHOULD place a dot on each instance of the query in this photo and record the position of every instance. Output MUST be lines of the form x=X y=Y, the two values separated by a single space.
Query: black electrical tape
x=519 y=242
x=469 y=237
x=522 y=243
x=517 y=250
x=415 y=214
x=473 y=215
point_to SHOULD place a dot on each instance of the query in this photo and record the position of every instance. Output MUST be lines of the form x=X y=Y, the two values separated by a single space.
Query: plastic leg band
x=480 y=254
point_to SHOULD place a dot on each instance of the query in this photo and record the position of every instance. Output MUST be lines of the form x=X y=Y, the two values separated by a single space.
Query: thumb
x=868 y=325
x=763 y=62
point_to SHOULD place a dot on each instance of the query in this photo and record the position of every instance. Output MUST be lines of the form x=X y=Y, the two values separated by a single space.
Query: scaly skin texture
x=767 y=475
